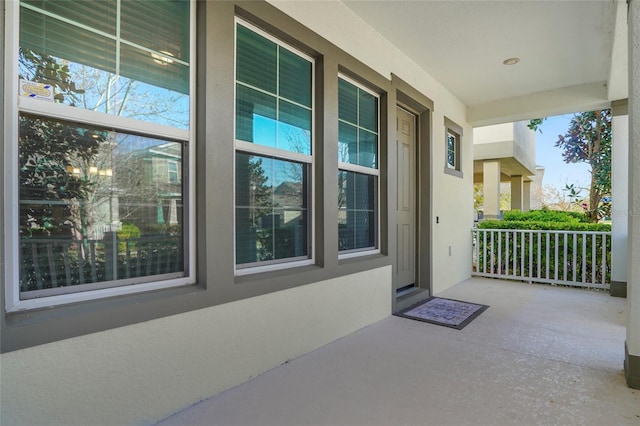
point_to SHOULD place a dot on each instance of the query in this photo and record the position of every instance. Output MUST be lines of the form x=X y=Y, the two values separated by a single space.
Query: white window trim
x=356 y=168
x=13 y=104
x=263 y=150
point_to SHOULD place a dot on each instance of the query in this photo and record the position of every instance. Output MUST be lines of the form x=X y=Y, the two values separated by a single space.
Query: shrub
x=128 y=230
x=545 y=216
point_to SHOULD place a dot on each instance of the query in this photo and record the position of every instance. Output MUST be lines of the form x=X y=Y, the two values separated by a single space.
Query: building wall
x=145 y=371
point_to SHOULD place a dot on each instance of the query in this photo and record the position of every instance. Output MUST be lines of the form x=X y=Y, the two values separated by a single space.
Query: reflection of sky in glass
x=277 y=134
x=107 y=92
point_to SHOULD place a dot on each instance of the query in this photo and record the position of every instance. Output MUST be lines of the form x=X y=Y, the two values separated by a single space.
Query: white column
x=526 y=196
x=632 y=358
x=517 y=190
x=173 y=212
x=491 y=189
x=619 y=194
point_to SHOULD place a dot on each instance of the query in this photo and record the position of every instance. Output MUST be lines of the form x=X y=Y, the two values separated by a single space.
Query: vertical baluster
x=548 y=251
x=584 y=257
x=594 y=266
x=564 y=259
x=81 y=264
x=493 y=259
x=127 y=257
x=556 y=260
x=67 y=267
x=92 y=252
x=540 y=254
x=574 y=256
x=506 y=255
x=499 y=272
x=484 y=251
x=522 y=243
x=36 y=264
x=515 y=254
x=530 y=255
x=604 y=259
x=53 y=277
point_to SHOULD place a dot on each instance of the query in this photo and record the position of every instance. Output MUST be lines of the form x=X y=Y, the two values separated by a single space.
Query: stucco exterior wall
x=620 y=193
x=452 y=197
x=145 y=372
x=495 y=133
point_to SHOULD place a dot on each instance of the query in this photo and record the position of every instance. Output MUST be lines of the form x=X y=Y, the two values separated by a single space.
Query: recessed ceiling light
x=511 y=61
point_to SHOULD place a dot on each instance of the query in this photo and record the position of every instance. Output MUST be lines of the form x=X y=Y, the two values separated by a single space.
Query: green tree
x=588 y=140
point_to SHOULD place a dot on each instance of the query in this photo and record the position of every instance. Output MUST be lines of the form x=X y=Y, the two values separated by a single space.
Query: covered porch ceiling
x=572 y=54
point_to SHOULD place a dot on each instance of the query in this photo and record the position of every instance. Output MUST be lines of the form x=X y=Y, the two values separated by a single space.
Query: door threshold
x=415 y=295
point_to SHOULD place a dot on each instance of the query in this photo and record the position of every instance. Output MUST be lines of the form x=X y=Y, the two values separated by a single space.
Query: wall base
x=631 y=369
x=618 y=289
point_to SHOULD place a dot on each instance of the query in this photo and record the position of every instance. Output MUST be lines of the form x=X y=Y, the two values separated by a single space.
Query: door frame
x=408 y=98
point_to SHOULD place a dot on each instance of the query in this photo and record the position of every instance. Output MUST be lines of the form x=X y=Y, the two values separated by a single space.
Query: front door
x=406 y=207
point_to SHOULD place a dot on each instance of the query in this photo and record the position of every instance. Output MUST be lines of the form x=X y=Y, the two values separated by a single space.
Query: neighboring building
x=504 y=153
x=322 y=155
x=537 y=189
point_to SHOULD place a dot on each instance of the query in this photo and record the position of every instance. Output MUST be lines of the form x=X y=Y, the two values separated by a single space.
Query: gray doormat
x=447 y=312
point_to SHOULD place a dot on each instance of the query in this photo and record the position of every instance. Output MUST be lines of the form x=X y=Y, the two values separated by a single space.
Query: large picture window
x=274 y=114
x=103 y=141
x=358 y=112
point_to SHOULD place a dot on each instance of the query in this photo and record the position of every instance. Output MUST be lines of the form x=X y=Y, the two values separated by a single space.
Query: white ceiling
x=567 y=49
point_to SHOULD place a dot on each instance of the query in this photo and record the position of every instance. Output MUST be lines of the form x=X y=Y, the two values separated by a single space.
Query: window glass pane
x=271 y=209
x=98 y=14
x=160 y=25
x=368 y=111
x=356 y=210
x=255 y=116
x=85 y=71
x=256 y=60
x=451 y=150
x=294 y=128
x=358 y=127
x=367 y=149
x=96 y=205
x=295 y=78
x=347 y=143
x=347 y=102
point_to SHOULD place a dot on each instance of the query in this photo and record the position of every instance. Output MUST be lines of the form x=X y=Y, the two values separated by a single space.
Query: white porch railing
x=577 y=258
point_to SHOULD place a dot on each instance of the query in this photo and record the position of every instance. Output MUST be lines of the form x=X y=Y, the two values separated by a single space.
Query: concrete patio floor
x=538 y=355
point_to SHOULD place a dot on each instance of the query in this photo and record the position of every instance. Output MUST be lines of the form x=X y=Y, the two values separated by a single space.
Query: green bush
x=545 y=216
x=540 y=225
x=553 y=257
x=128 y=230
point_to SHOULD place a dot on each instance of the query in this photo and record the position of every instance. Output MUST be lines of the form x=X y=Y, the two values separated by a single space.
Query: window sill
x=453 y=172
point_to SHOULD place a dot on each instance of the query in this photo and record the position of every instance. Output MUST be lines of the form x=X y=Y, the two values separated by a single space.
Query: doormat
x=447 y=312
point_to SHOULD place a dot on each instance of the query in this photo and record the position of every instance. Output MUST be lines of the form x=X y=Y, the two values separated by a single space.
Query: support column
x=632 y=355
x=619 y=194
x=517 y=191
x=526 y=196
x=491 y=189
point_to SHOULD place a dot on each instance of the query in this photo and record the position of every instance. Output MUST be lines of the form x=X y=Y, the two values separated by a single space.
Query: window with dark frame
x=358 y=136
x=274 y=143
x=103 y=118
x=453 y=155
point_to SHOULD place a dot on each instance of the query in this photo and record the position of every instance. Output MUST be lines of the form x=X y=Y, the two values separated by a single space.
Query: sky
x=558 y=173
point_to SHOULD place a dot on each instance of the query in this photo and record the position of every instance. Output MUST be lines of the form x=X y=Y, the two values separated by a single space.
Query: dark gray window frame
x=455 y=130
x=216 y=283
